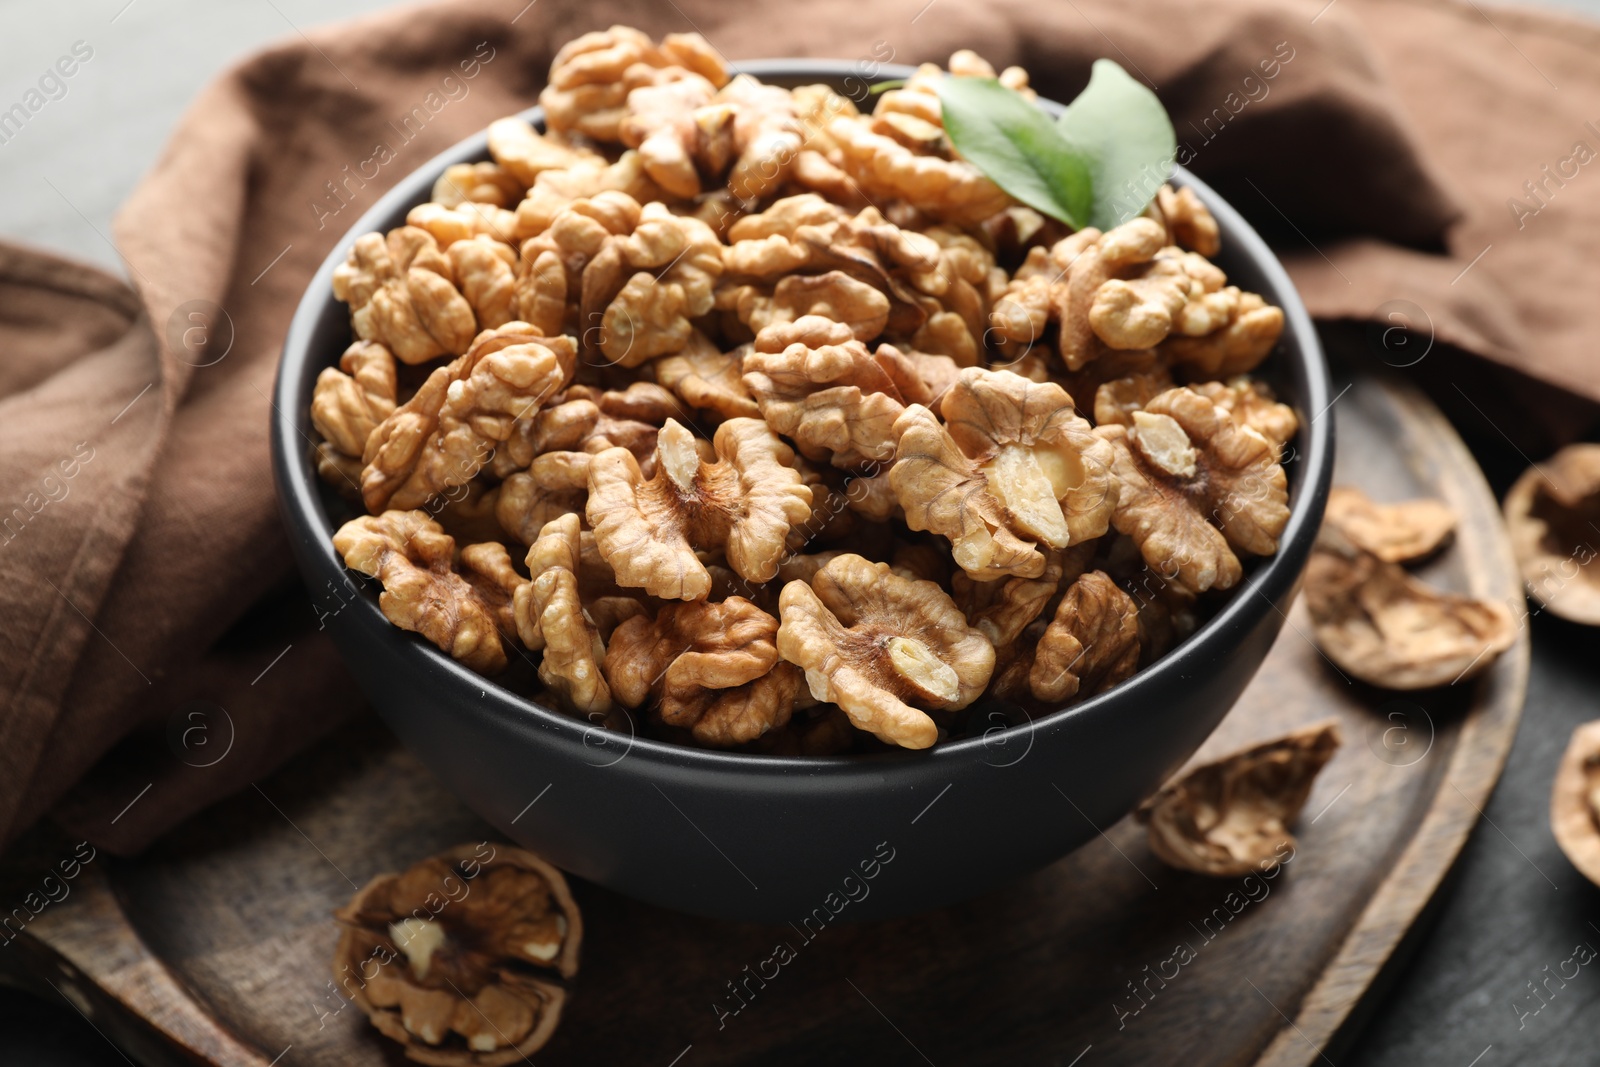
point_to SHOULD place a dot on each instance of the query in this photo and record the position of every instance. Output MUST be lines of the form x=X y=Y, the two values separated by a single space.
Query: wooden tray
x=214 y=946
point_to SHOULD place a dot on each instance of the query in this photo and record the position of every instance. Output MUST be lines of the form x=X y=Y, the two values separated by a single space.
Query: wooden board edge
x=103 y=968
x=1469 y=779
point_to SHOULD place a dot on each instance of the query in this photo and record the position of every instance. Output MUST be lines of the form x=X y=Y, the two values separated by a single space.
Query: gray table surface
x=1513 y=907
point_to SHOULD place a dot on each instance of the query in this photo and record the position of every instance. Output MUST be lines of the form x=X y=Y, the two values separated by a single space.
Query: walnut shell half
x=460 y=958
x=1231 y=817
x=1380 y=624
x=1395 y=533
x=1553 y=513
x=1575 y=801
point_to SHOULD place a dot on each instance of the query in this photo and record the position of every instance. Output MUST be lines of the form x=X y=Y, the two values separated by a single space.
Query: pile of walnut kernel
x=802 y=429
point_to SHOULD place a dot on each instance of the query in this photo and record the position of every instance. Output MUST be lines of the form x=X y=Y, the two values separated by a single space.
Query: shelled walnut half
x=1231 y=817
x=461 y=958
x=885 y=648
x=1011 y=471
x=1197 y=487
x=466 y=614
x=743 y=502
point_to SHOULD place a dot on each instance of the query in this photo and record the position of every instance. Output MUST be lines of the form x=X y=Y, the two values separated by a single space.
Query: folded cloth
x=1414 y=160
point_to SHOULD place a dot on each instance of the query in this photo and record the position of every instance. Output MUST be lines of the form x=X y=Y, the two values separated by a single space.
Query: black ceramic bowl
x=769 y=838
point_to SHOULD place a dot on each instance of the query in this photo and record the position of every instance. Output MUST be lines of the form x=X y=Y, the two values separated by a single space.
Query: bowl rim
x=1269 y=579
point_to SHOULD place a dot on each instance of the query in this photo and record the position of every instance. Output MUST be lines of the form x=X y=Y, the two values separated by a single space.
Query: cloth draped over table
x=1416 y=162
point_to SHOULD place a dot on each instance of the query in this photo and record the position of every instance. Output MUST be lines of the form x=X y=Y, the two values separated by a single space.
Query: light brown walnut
x=588 y=91
x=1090 y=645
x=1084 y=262
x=745 y=714
x=767 y=136
x=1002 y=609
x=1251 y=403
x=464 y=614
x=818 y=385
x=705 y=377
x=1011 y=470
x=689 y=655
x=550 y=617
x=402 y=294
x=1238 y=346
x=485 y=274
x=1116 y=401
x=449 y=429
x=1196 y=487
x=556 y=190
x=632 y=278
x=556 y=484
x=743 y=504
x=886 y=649
x=481 y=183
x=524 y=153
x=1231 y=818
x=592 y=76
x=349 y=401
x=833 y=295
x=375 y=259
x=1188 y=222
x=466 y=221
x=460 y=958
x=1381 y=625
x=951 y=190
x=784 y=218
x=575 y=422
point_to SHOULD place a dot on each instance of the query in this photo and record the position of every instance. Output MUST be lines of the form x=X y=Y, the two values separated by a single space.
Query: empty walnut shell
x=1380 y=624
x=1575 y=801
x=1231 y=817
x=1553 y=513
x=460 y=959
x=1395 y=533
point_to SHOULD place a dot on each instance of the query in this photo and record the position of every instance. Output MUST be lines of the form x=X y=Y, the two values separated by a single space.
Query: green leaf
x=885 y=86
x=1122 y=132
x=1015 y=145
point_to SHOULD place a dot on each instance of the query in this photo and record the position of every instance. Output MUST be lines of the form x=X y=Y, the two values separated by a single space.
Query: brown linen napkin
x=158 y=653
